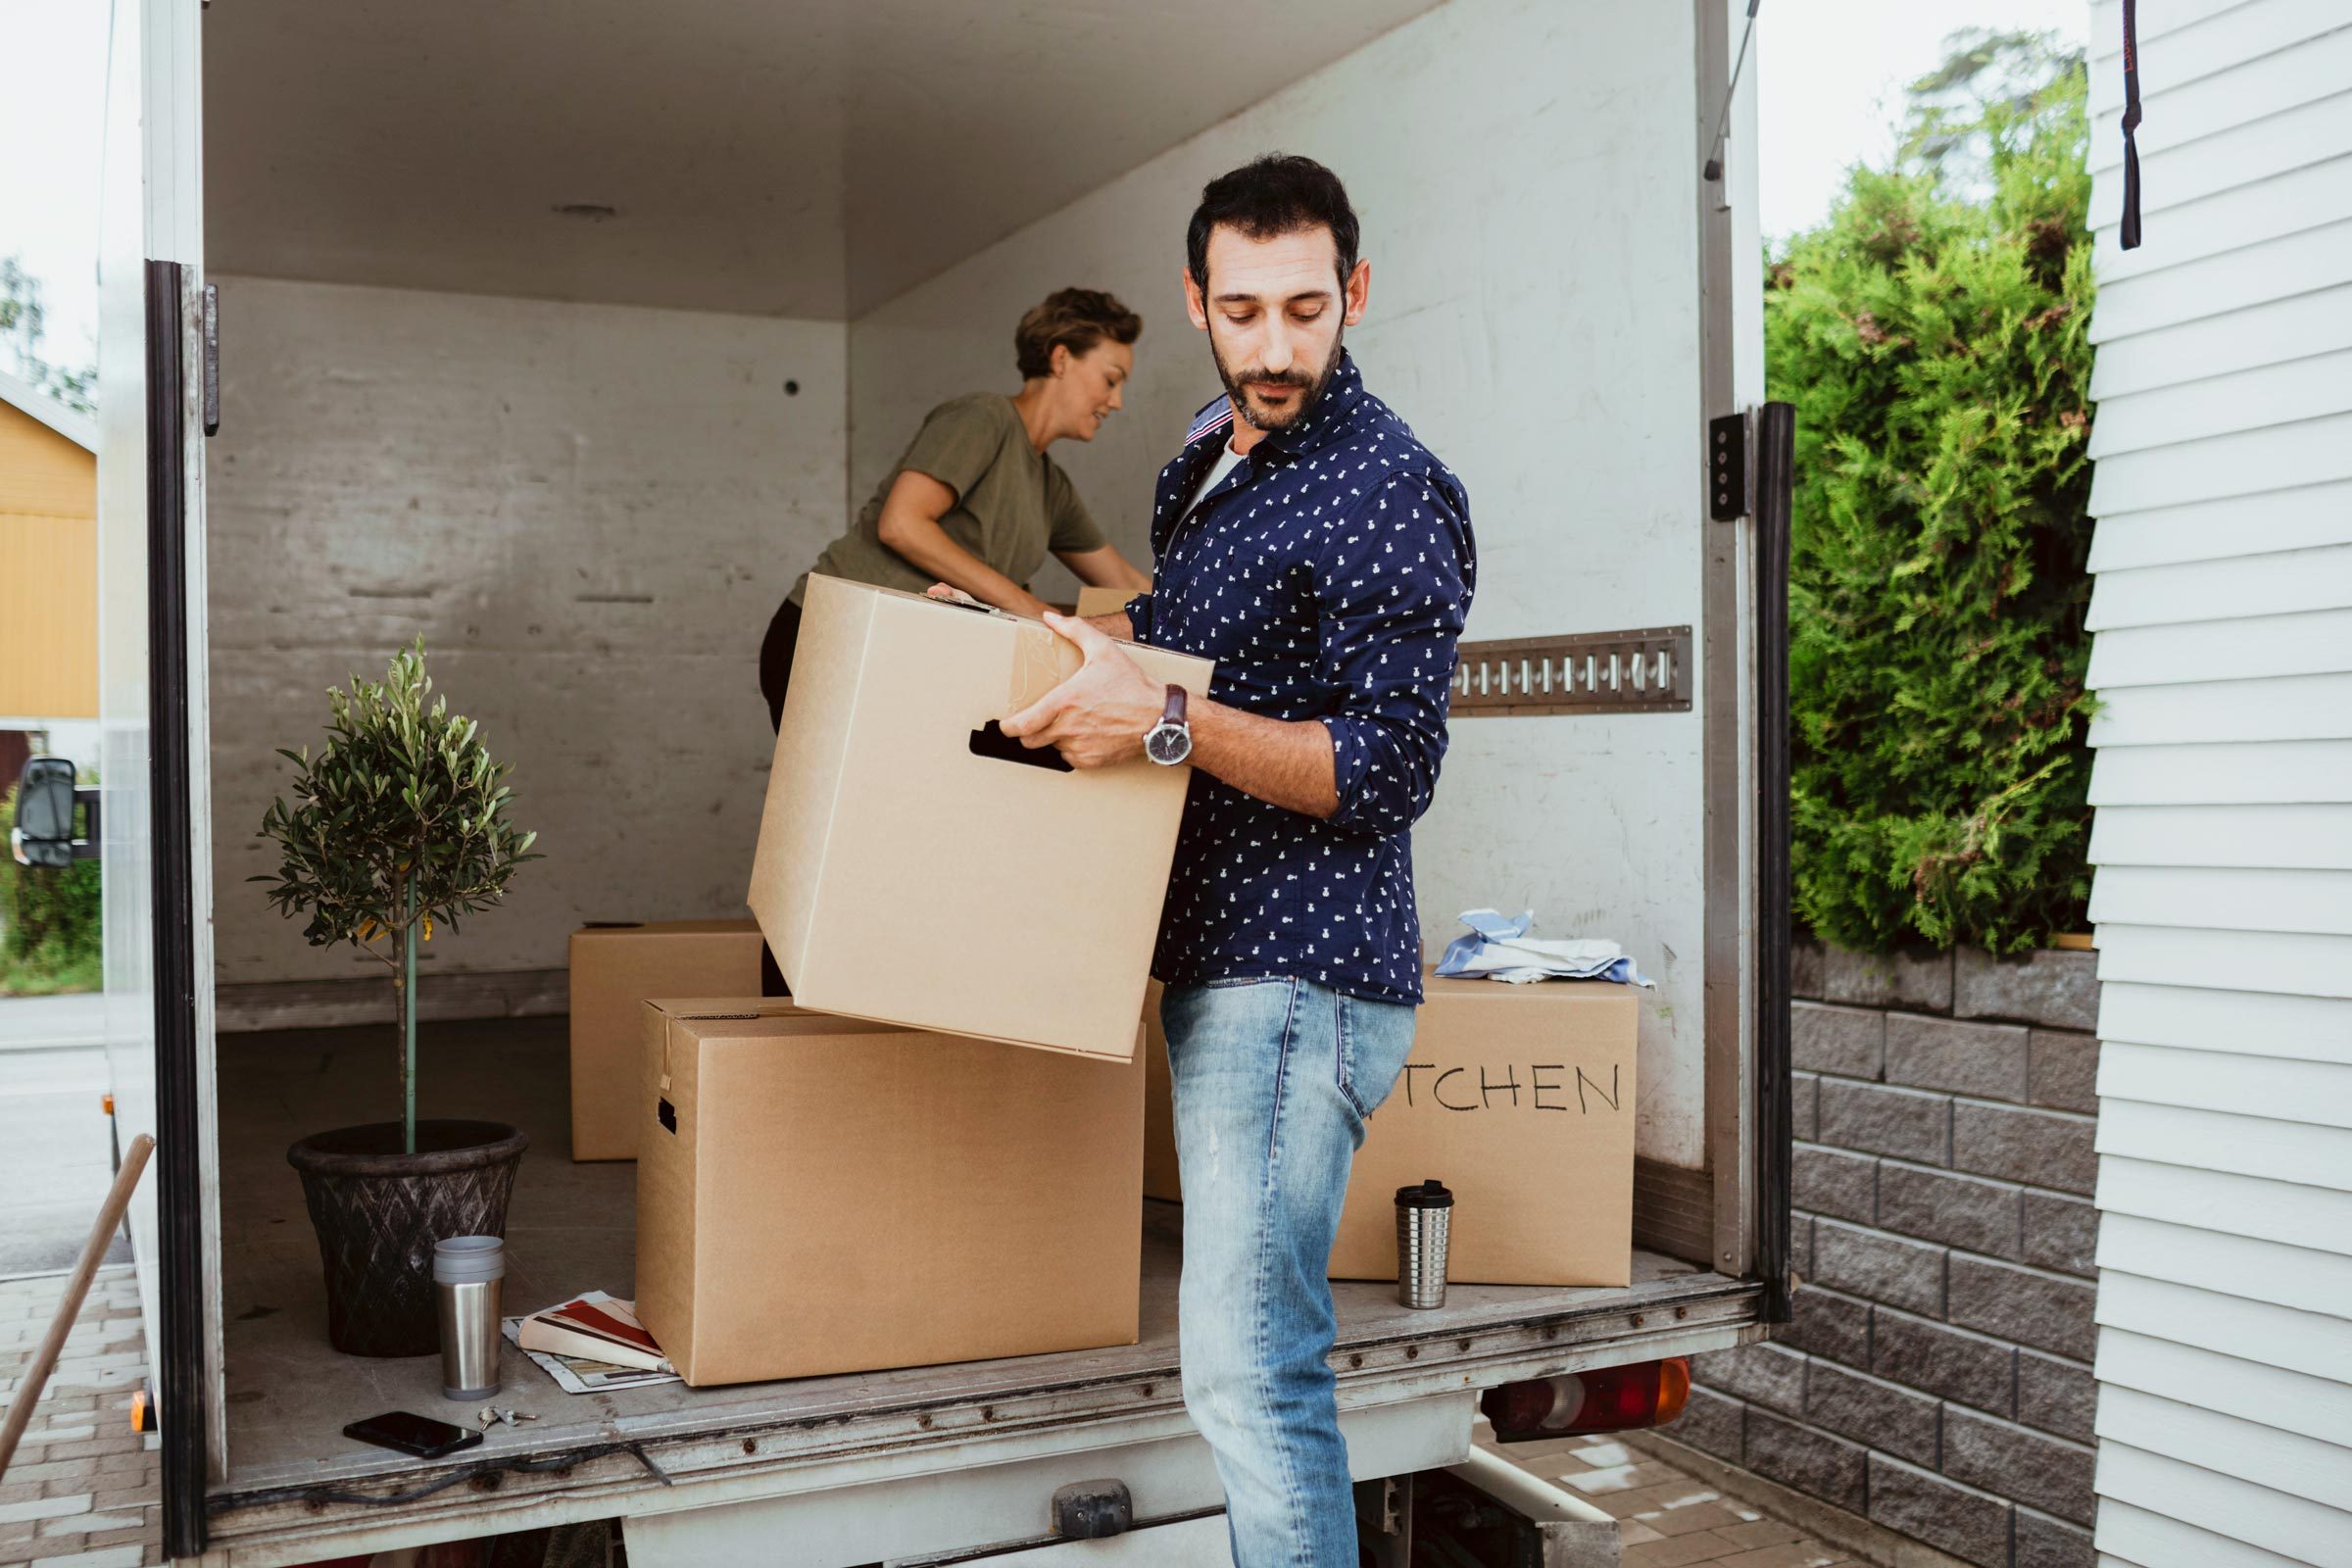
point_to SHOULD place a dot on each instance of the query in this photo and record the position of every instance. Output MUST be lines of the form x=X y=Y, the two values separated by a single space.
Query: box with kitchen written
x=908 y=850
x=820 y=1195
x=1519 y=1099
x=614 y=966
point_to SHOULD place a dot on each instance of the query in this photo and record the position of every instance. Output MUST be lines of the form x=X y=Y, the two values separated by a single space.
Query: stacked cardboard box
x=615 y=966
x=1103 y=601
x=818 y=1195
x=933 y=1151
x=1521 y=1100
x=937 y=1149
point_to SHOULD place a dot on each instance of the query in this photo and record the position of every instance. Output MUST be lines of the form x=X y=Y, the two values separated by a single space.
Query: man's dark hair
x=1074 y=318
x=1279 y=193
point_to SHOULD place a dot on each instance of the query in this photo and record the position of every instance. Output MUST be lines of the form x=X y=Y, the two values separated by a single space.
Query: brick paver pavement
x=82 y=1490
x=1667 y=1519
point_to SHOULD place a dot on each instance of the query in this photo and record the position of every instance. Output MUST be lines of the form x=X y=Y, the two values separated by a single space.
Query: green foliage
x=51 y=922
x=1936 y=353
x=23 y=322
x=404 y=798
x=399 y=824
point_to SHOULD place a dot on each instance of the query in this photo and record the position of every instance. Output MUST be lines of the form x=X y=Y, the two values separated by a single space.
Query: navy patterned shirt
x=1328 y=575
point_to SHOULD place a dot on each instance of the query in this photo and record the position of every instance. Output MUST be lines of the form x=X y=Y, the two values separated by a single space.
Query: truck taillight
x=1613 y=1398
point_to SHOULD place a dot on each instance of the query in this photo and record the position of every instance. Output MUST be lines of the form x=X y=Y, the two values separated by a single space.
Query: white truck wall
x=588 y=511
x=1523 y=174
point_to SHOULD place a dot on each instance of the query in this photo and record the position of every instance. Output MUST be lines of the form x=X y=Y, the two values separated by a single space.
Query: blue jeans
x=1273 y=1080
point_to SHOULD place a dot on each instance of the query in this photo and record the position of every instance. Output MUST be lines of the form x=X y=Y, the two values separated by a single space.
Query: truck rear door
x=153 y=760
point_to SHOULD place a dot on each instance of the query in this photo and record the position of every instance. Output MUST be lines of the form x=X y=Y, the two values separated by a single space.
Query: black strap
x=2131 y=234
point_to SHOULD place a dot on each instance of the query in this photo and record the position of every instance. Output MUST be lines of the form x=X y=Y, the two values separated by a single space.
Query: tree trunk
x=404 y=989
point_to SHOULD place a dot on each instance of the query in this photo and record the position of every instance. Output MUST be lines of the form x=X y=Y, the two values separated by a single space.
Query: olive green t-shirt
x=1012 y=502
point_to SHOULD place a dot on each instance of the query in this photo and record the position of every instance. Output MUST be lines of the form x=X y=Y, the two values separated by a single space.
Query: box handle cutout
x=668 y=1113
x=991 y=741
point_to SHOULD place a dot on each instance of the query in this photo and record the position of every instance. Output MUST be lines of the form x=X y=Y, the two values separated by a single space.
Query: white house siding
x=2223 y=785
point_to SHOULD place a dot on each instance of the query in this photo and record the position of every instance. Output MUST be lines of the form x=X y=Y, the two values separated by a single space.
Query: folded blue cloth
x=1498 y=948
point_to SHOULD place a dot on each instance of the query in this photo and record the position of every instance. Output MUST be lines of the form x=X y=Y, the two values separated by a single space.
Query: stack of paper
x=595 y=1327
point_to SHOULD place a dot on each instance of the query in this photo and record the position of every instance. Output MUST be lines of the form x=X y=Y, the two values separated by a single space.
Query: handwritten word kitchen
x=1452 y=1089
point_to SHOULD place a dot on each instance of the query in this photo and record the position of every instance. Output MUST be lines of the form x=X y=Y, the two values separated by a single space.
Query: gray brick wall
x=1936 y=1379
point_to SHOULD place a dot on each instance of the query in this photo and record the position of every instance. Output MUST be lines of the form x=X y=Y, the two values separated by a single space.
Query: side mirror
x=46 y=797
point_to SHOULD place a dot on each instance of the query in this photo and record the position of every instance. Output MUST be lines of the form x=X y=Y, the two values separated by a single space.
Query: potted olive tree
x=397 y=826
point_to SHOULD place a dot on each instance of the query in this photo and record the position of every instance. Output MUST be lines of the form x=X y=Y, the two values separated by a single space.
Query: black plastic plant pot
x=378 y=1212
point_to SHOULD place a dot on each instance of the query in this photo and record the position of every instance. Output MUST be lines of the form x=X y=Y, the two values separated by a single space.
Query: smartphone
x=412 y=1433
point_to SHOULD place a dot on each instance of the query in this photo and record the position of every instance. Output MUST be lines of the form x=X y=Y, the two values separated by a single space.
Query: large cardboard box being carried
x=820 y=1195
x=1519 y=1099
x=908 y=862
x=615 y=967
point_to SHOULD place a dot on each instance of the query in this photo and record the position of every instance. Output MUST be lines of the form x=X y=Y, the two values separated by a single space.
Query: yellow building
x=48 y=557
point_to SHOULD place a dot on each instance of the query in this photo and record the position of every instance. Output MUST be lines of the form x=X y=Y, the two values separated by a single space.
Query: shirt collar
x=1331 y=413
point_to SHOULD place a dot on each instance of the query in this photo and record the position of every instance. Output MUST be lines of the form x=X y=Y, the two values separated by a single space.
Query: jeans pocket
x=1374 y=1040
x=1344 y=1034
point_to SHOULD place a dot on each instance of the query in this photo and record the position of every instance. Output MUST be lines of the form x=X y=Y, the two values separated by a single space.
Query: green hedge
x=1937 y=354
x=51 y=931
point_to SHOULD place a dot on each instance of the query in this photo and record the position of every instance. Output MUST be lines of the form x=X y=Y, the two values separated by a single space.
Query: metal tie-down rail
x=1641 y=671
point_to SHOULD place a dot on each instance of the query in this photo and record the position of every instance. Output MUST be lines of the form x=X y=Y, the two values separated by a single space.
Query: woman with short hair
x=975 y=503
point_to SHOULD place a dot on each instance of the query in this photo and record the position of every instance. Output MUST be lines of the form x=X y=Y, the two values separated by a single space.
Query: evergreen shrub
x=1935 y=349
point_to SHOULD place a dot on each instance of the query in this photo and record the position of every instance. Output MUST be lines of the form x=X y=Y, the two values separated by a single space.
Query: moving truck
x=566 y=335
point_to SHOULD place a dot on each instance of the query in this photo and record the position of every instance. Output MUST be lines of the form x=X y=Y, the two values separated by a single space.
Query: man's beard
x=1271 y=422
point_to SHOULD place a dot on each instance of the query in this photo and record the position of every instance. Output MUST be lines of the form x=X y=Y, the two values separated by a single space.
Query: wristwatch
x=1170 y=741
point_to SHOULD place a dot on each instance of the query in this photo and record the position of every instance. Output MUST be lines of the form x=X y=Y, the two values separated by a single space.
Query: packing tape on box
x=1040 y=662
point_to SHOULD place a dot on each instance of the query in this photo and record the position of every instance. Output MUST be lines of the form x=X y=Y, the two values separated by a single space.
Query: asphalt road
x=56 y=1143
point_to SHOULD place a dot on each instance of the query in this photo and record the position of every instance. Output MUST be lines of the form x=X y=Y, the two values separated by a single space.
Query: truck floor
x=571 y=1229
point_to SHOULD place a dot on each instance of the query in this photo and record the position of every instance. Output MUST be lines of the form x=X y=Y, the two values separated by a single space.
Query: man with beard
x=1315 y=549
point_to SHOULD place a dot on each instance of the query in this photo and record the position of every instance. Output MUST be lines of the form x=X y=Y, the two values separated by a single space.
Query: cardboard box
x=1106 y=601
x=1540 y=1201
x=1160 y=1179
x=906 y=876
x=615 y=967
x=820 y=1195
x=1521 y=1100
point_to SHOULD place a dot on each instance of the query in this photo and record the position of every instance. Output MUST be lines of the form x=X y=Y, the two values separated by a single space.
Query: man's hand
x=1098 y=717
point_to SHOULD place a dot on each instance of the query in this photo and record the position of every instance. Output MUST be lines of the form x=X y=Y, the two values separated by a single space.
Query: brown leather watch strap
x=1173 y=713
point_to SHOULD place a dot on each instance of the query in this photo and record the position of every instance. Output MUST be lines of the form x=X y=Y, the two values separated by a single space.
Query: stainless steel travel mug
x=468 y=1277
x=1424 y=1216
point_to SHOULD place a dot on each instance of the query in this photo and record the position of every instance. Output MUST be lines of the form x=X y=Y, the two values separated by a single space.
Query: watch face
x=1168 y=744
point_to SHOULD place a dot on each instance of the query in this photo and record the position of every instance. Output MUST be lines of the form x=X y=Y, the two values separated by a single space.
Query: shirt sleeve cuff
x=1139 y=618
x=1349 y=760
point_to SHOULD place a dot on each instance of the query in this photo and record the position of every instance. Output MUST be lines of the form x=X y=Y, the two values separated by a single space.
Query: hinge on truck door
x=1726 y=468
x=211 y=358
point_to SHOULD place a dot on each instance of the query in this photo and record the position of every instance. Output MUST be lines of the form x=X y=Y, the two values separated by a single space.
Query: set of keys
x=493 y=1416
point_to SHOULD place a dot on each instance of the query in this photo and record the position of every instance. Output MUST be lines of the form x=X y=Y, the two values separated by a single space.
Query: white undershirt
x=1227 y=461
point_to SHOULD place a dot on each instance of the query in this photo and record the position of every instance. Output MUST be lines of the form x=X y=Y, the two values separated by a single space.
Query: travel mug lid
x=1431 y=1193
x=458 y=1259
